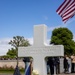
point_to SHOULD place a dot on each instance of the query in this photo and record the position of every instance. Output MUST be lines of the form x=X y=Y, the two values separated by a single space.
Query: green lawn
x=9 y=71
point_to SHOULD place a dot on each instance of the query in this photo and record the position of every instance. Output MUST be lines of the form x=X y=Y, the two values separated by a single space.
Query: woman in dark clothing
x=65 y=64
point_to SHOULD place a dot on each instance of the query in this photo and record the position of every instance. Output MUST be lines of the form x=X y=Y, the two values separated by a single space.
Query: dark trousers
x=57 y=69
x=51 y=69
x=73 y=68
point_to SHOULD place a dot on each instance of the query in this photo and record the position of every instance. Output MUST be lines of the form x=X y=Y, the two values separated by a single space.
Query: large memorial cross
x=39 y=50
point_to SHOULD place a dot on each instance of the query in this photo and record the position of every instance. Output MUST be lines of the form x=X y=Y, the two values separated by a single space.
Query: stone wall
x=11 y=63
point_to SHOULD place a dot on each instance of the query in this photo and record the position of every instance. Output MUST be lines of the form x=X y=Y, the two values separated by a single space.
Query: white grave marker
x=40 y=49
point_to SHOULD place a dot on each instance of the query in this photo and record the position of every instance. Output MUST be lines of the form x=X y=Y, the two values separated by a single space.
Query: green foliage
x=63 y=36
x=4 y=57
x=17 y=41
x=12 y=53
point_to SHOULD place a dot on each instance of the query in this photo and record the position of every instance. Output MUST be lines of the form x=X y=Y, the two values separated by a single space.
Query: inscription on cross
x=39 y=50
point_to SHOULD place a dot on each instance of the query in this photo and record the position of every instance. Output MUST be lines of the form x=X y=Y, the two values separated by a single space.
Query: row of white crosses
x=39 y=50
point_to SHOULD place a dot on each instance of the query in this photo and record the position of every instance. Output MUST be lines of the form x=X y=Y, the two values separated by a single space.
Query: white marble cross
x=39 y=50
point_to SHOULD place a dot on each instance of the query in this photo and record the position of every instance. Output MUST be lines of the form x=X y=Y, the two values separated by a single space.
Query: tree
x=12 y=53
x=63 y=36
x=17 y=41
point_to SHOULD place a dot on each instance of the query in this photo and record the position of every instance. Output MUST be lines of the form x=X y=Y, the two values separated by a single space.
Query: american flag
x=66 y=10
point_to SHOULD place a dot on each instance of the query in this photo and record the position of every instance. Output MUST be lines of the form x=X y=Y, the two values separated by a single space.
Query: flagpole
x=17 y=71
x=17 y=57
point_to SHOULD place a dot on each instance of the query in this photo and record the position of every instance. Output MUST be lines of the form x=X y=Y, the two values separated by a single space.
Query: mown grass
x=4 y=71
x=10 y=71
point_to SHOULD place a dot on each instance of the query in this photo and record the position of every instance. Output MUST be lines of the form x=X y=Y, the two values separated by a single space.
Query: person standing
x=73 y=63
x=66 y=65
x=51 y=64
x=48 y=68
x=26 y=60
x=57 y=64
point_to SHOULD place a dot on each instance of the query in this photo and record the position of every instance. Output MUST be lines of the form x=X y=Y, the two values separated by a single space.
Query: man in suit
x=51 y=64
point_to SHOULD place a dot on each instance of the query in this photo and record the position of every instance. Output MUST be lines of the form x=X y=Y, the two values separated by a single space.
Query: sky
x=18 y=17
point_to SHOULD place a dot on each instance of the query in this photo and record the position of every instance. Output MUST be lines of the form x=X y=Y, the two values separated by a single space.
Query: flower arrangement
x=35 y=72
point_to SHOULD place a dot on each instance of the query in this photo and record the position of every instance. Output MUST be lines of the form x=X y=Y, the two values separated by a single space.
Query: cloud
x=5 y=40
x=30 y=40
x=4 y=46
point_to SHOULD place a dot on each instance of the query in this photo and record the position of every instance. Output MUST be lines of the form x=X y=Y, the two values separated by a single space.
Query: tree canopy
x=63 y=36
x=12 y=53
x=18 y=41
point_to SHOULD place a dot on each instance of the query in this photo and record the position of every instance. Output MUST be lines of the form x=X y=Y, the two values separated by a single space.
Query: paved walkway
x=48 y=74
x=67 y=74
